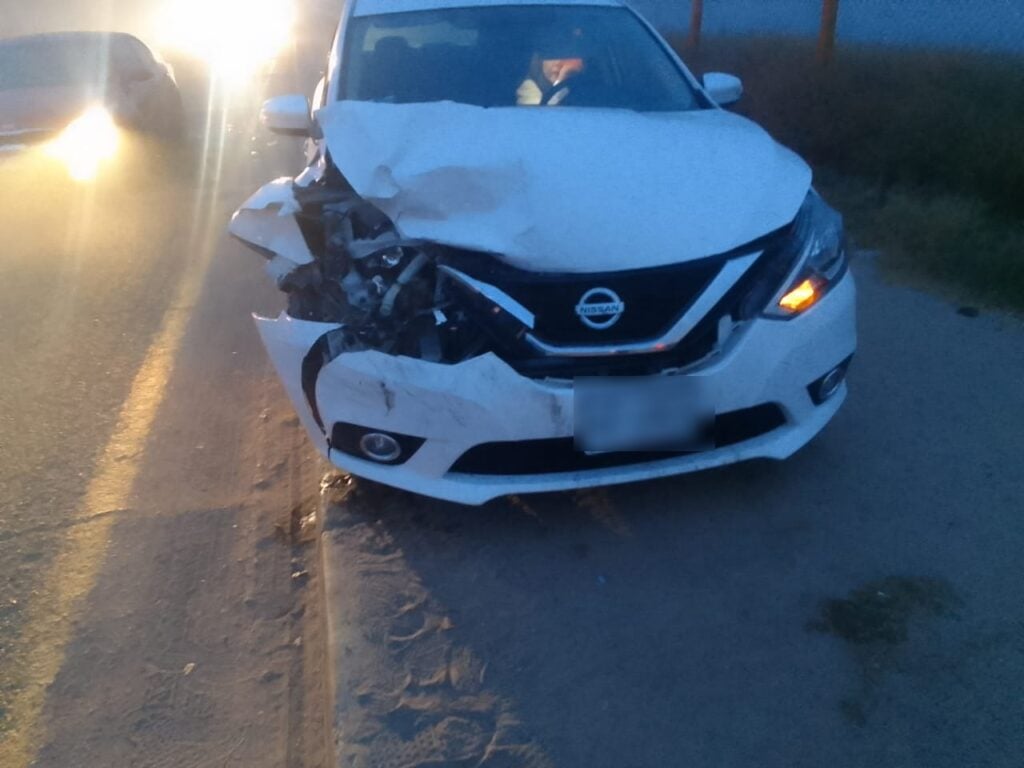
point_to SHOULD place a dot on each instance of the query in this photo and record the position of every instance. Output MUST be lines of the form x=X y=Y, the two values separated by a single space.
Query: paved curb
x=329 y=580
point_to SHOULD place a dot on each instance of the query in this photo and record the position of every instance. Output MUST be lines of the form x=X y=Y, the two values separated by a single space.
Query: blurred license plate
x=649 y=413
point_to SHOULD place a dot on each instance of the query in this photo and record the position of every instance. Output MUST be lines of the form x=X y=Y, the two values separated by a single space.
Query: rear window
x=507 y=55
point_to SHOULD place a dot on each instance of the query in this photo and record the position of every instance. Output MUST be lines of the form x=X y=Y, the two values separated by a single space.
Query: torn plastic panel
x=403 y=395
x=266 y=222
x=341 y=261
x=289 y=341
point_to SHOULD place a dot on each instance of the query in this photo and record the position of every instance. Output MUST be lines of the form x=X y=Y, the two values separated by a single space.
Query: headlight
x=819 y=243
x=87 y=143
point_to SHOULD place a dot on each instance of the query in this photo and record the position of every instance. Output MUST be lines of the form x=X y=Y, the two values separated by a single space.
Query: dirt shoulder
x=847 y=607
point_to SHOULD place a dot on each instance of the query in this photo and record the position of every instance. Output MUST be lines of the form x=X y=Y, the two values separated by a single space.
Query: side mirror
x=287 y=116
x=318 y=93
x=722 y=88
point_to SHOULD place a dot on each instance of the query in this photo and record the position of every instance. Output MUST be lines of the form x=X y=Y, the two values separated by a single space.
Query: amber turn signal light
x=802 y=297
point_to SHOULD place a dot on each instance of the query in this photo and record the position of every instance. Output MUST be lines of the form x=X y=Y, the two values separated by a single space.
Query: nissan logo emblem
x=600 y=308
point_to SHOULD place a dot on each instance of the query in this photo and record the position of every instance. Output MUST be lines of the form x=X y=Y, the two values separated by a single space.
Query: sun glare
x=235 y=37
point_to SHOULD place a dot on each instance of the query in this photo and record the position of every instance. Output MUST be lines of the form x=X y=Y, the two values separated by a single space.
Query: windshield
x=514 y=55
x=51 y=62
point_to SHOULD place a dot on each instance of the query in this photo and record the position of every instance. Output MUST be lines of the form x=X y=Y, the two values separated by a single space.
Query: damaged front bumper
x=476 y=430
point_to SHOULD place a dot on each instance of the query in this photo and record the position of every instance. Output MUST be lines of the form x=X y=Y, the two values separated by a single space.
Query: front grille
x=540 y=457
x=655 y=298
x=697 y=345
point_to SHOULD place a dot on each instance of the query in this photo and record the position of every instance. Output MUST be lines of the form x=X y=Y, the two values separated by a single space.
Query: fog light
x=831 y=383
x=380 y=447
x=362 y=442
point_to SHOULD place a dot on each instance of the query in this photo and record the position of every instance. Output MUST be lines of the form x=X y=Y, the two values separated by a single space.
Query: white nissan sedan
x=533 y=252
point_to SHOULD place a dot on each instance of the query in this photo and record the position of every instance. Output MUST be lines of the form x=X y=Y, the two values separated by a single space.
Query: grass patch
x=922 y=151
x=954 y=242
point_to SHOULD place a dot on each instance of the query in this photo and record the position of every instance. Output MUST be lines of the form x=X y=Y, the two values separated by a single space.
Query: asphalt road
x=152 y=478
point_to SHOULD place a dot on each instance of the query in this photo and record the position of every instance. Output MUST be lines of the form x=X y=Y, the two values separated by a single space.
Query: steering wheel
x=558 y=94
x=566 y=89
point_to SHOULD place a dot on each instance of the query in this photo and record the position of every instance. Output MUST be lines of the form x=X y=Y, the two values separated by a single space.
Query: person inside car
x=546 y=81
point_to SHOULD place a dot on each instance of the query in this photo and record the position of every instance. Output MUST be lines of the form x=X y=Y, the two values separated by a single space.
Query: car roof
x=68 y=37
x=378 y=7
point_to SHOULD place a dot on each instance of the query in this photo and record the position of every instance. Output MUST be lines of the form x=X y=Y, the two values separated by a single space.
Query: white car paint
x=267 y=220
x=457 y=407
x=287 y=115
x=555 y=190
x=723 y=88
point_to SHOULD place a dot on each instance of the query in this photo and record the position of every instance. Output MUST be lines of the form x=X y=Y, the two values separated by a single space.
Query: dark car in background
x=74 y=93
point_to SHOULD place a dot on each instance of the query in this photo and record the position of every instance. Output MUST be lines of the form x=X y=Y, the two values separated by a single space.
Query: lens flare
x=236 y=38
x=86 y=144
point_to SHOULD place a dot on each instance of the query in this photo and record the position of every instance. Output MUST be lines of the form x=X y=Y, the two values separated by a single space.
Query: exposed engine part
x=387 y=306
x=347 y=264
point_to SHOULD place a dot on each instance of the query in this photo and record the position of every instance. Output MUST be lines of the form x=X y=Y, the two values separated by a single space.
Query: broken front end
x=451 y=373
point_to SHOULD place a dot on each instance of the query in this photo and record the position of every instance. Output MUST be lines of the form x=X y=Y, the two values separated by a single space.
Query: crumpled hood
x=43 y=109
x=568 y=190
